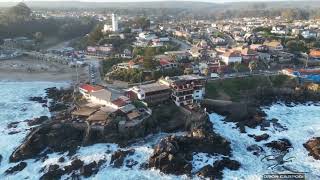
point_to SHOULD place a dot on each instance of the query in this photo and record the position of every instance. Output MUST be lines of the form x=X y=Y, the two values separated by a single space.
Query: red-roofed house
x=86 y=89
x=121 y=101
x=166 y=64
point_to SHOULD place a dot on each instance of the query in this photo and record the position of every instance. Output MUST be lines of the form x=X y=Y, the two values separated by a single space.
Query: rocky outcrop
x=215 y=171
x=174 y=153
x=117 y=158
x=13 y=125
x=54 y=172
x=40 y=100
x=38 y=121
x=279 y=145
x=54 y=136
x=77 y=168
x=17 y=168
x=313 y=146
x=259 y=138
x=255 y=149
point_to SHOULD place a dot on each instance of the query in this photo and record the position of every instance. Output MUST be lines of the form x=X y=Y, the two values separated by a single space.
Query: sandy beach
x=28 y=69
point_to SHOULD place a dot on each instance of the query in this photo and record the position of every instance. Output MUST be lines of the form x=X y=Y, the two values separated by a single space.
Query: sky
x=215 y=1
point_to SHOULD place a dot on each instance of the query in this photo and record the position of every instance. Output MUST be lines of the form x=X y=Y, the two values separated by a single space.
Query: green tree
x=148 y=61
x=252 y=65
x=296 y=46
x=38 y=36
x=236 y=66
x=95 y=35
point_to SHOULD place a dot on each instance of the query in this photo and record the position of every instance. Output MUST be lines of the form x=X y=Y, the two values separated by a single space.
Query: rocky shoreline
x=172 y=155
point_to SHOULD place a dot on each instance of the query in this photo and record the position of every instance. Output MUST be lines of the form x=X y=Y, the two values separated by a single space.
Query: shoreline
x=27 y=69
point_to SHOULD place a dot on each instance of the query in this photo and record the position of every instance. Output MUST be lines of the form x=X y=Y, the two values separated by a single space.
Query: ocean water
x=303 y=122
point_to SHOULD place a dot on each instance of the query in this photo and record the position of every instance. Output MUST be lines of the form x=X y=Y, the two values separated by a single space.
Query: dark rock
x=118 y=157
x=39 y=100
x=210 y=172
x=173 y=154
x=259 y=138
x=130 y=163
x=1 y=158
x=13 y=125
x=56 y=136
x=61 y=160
x=13 y=132
x=313 y=146
x=54 y=172
x=216 y=171
x=37 y=121
x=16 y=168
x=144 y=166
x=255 y=149
x=280 y=145
x=227 y=163
x=89 y=169
x=277 y=126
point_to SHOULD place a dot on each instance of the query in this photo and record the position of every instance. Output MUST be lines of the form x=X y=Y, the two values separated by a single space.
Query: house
x=146 y=36
x=178 y=55
x=308 y=34
x=249 y=55
x=296 y=31
x=127 y=54
x=196 y=52
x=186 y=89
x=231 y=57
x=218 y=41
x=102 y=97
x=166 y=64
x=274 y=45
x=259 y=48
x=86 y=89
x=314 y=54
x=150 y=93
x=279 y=29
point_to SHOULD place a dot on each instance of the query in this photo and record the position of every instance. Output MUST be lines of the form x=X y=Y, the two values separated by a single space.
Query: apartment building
x=186 y=89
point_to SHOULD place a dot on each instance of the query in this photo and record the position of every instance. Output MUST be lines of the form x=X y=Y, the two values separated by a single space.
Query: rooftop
x=152 y=87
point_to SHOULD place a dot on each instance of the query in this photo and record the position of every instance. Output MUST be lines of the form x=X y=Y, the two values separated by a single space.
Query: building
x=308 y=34
x=115 y=26
x=102 y=97
x=86 y=89
x=314 y=54
x=274 y=45
x=150 y=93
x=186 y=89
x=279 y=29
x=249 y=55
x=231 y=57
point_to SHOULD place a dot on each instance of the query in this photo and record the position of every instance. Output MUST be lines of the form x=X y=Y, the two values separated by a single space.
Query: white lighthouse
x=114 y=22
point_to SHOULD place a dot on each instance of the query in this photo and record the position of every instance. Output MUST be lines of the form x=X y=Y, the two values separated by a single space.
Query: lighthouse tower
x=114 y=23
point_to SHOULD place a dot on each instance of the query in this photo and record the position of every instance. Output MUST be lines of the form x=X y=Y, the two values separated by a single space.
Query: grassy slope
x=238 y=88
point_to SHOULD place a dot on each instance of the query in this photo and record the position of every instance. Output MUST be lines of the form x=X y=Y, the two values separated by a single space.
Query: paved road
x=94 y=70
x=247 y=74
